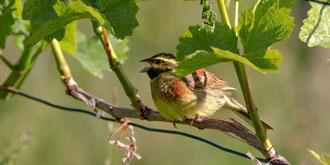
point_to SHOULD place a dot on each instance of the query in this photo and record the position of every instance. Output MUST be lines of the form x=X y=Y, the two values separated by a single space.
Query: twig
x=22 y=67
x=204 y=123
x=115 y=66
x=7 y=62
x=13 y=90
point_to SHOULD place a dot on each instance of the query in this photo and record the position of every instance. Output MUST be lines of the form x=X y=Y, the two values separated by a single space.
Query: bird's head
x=159 y=64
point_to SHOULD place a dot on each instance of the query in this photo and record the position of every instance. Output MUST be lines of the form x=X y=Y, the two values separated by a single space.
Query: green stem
x=128 y=87
x=223 y=12
x=269 y=151
x=62 y=65
x=7 y=62
x=236 y=13
x=22 y=68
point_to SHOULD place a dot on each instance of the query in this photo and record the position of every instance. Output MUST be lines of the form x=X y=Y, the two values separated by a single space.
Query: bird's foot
x=145 y=111
x=196 y=118
x=173 y=122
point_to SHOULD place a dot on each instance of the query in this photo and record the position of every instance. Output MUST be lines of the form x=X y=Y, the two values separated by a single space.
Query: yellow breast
x=175 y=101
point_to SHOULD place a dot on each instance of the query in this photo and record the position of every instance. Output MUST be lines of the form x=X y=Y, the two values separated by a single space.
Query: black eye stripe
x=157 y=61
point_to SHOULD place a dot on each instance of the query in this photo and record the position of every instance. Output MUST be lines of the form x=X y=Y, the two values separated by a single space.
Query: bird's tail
x=243 y=113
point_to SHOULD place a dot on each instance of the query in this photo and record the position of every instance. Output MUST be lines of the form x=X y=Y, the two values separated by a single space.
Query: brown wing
x=202 y=79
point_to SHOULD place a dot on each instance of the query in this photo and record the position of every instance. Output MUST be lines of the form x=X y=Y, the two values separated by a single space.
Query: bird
x=198 y=94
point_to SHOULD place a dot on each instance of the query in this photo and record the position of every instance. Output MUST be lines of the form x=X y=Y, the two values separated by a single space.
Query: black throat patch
x=154 y=72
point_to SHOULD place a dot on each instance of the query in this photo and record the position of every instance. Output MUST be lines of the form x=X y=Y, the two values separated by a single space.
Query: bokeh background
x=295 y=101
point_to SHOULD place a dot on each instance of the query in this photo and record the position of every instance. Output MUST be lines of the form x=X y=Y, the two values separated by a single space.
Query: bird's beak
x=145 y=70
x=145 y=60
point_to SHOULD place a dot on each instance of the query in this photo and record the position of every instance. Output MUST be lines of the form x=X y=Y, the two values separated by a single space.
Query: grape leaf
x=68 y=43
x=261 y=29
x=120 y=13
x=6 y=20
x=92 y=56
x=66 y=14
x=215 y=41
x=265 y=4
x=201 y=59
x=202 y=37
x=40 y=12
x=316 y=28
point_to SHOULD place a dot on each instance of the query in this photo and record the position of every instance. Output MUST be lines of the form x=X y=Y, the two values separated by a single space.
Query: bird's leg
x=193 y=120
x=173 y=122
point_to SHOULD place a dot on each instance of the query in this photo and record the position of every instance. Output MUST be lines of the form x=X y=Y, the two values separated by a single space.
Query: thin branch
x=128 y=87
x=13 y=90
x=7 y=62
x=204 y=123
x=22 y=68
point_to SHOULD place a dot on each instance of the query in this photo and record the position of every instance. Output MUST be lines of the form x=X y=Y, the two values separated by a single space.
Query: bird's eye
x=157 y=62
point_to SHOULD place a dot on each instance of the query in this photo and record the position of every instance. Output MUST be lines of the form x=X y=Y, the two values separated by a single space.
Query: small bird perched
x=200 y=93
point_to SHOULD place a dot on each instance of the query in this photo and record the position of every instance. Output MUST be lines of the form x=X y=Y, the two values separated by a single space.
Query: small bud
x=99 y=29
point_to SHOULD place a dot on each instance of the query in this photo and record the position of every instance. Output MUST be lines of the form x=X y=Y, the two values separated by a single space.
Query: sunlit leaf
x=202 y=59
x=202 y=37
x=316 y=28
x=68 y=43
x=261 y=29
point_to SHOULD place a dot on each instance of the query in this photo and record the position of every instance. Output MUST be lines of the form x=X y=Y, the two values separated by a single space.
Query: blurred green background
x=295 y=101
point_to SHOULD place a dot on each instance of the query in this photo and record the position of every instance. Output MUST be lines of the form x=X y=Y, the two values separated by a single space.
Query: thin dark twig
x=146 y=128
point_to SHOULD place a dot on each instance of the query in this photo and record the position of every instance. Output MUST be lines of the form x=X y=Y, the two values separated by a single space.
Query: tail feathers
x=243 y=113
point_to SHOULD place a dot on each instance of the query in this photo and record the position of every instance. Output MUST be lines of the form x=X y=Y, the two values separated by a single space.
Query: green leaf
x=66 y=14
x=202 y=37
x=121 y=15
x=268 y=61
x=6 y=20
x=260 y=30
x=91 y=53
x=68 y=43
x=324 y=159
x=39 y=12
x=18 y=8
x=265 y=4
x=316 y=28
x=202 y=59
x=286 y=3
